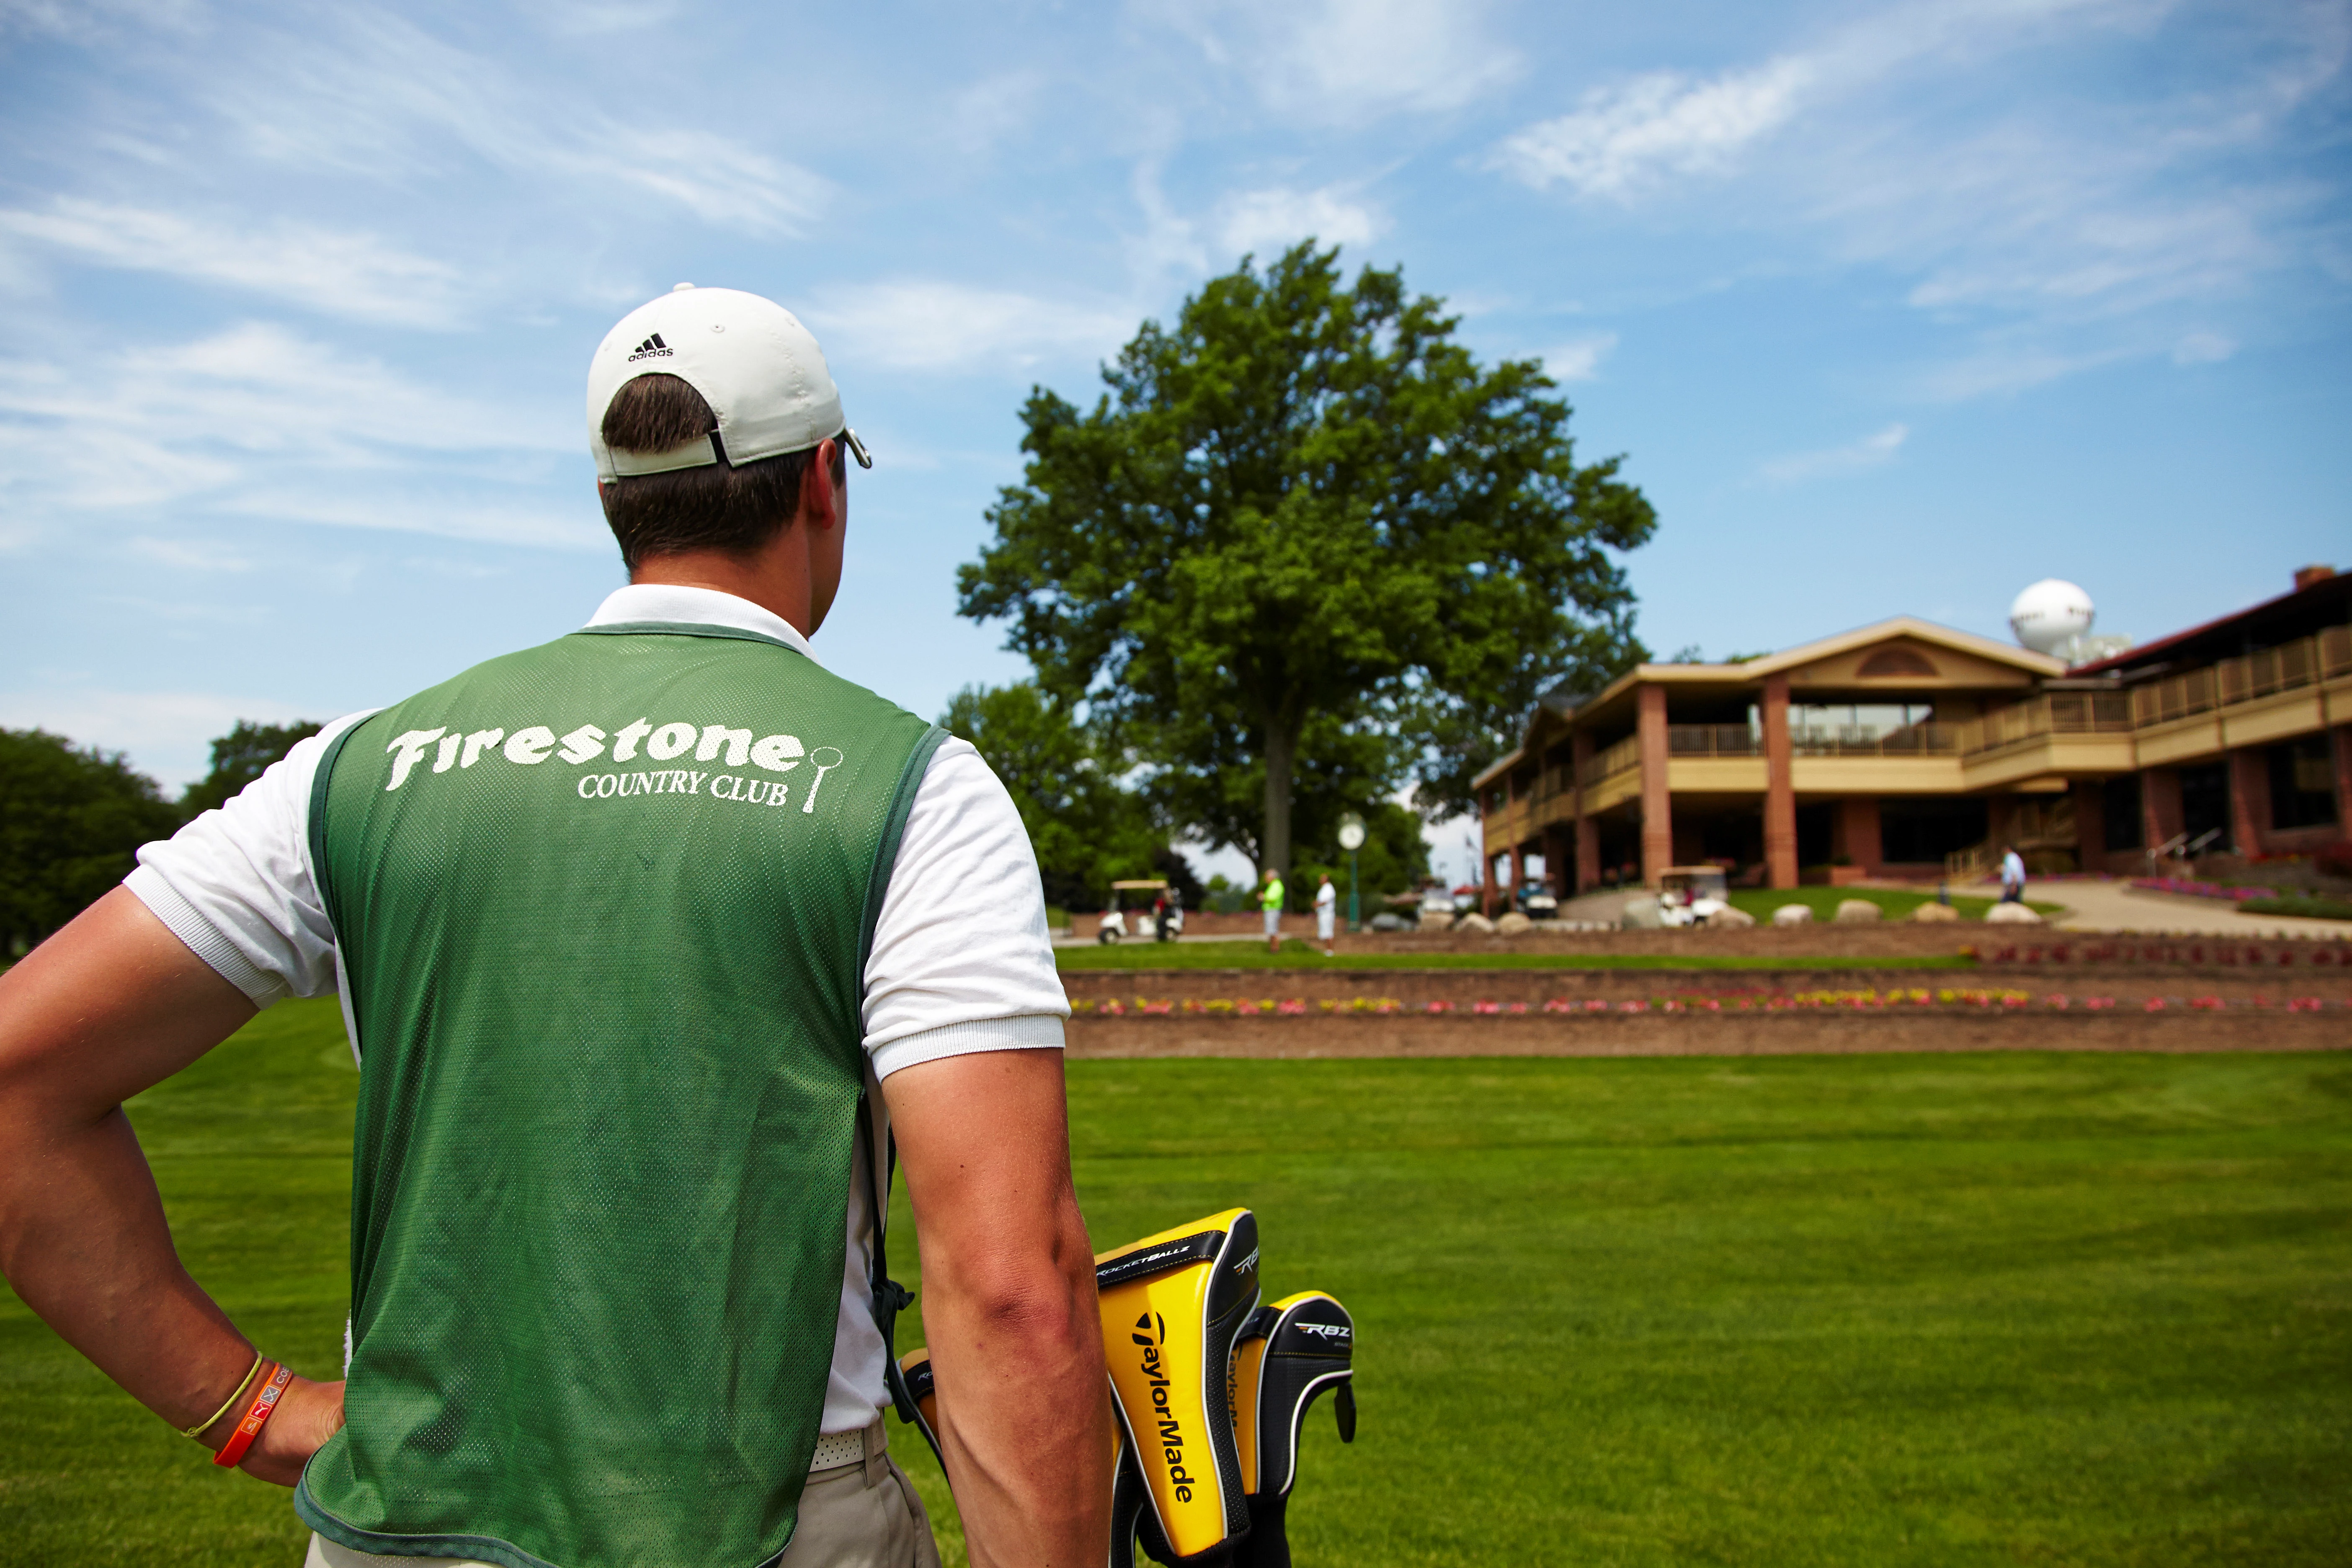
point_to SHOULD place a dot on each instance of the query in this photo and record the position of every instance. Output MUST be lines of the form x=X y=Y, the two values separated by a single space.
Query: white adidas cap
x=753 y=362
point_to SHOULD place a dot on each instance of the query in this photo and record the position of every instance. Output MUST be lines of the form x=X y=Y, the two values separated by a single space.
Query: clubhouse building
x=1909 y=750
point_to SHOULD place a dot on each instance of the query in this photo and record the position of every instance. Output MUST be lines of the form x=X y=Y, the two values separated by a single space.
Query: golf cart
x=1141 y=895
x=1536 y=901
x=1692 y=895
x=1436 y=904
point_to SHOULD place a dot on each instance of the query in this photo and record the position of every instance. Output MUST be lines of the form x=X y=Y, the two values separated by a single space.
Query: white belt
x=837 y=1449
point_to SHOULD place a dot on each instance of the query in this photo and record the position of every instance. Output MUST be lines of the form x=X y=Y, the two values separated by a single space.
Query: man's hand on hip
x=1009 y=1310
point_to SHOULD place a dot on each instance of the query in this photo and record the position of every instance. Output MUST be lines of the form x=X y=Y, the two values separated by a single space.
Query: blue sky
x=1891 y=308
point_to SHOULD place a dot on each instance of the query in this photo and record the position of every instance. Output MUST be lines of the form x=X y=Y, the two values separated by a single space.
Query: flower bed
x=2193 y=889
x=1912 y=999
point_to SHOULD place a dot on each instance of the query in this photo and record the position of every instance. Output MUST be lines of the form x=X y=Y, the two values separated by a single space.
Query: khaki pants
x=853 y=1516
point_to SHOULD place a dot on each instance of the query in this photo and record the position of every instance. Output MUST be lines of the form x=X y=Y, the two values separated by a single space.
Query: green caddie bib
x=604 y=908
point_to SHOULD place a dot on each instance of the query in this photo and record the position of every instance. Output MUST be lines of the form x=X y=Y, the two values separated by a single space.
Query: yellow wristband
x=198 y=1429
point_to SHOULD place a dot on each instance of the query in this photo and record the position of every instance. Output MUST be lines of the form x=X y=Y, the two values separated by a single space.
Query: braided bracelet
x=264 y=1404
x=198 y=1429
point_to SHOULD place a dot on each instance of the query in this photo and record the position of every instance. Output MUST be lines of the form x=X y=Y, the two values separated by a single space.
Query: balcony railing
x=2055 y=713
x=1911 y=740
x=1625 y=755
x=2259 y=674
x=1713 y=740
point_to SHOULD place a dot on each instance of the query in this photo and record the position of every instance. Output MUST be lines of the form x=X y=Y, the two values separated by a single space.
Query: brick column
x=1657 y=805
x=1857 y=830
x=2159 y=807
x=2250 y=801
x=1780 y=794
x=2342 y=738
x=1587 y=831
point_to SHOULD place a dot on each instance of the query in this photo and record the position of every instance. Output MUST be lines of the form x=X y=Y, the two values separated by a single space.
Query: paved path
x=2119 y=906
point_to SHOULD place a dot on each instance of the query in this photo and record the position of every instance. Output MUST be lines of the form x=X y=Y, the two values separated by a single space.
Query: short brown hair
x=724 y=506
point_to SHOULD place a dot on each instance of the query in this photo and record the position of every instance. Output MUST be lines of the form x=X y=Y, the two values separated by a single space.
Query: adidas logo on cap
x=652 y=347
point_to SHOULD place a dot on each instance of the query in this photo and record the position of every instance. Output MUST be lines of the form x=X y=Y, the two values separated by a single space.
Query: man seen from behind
x=652 y=940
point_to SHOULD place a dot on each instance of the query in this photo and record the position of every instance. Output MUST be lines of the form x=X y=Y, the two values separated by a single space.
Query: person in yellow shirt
x=1270 y=901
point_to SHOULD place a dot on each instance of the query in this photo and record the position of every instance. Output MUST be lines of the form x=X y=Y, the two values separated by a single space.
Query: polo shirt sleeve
x=235 y=884
x=961 y=960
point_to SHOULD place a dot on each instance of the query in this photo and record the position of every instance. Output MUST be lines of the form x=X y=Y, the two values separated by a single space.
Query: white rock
x=1729 y=916
x=1474 y=921
x=1794 y=915
x=1853 y=911
x=1934 y=914
x=2011 y=915
x=1512 y=924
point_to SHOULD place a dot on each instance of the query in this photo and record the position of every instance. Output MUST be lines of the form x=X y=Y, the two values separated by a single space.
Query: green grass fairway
x=1246 y=952
x=1782 y=1311
x=1897 y=905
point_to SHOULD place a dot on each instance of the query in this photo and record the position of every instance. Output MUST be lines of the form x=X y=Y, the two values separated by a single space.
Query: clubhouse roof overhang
x=1614 y=701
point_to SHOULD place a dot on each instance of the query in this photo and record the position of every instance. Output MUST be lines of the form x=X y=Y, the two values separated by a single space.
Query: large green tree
x=240 y=757
x=71 y=819
x=1304 y=529
x=1086 y=828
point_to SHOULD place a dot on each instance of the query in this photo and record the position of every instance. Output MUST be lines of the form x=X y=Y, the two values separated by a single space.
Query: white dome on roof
x=2051 y=615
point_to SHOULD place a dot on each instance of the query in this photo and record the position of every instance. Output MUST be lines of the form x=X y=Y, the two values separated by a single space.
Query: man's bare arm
x=1008 y=1305
x=112 y=1005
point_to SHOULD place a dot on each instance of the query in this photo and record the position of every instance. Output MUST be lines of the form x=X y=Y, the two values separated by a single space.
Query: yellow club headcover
x=1172 y=1305
x=915 y=1368
x=1300 y=1347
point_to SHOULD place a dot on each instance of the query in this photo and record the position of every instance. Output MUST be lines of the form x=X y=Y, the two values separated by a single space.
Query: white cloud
x=1869 y=452
x=1580 y=359
x=167 y=734
x=186 y=555
x=2066 y=229
x=2203 y=348
x=1269 y=221
x=257 y=421
x=919 y=324
x=1349 y=61
x=370 y=93
x=352 y=275
x=1623 y=138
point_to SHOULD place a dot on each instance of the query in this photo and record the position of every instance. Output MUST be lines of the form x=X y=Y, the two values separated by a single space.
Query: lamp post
x=1351 y=838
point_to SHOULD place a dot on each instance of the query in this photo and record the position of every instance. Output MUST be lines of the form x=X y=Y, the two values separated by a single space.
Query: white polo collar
x=698 y=607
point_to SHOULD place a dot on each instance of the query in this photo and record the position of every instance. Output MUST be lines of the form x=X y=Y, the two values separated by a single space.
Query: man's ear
x=819 y=494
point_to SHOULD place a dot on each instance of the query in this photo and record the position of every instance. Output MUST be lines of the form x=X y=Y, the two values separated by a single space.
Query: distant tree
x=1304 y=528
x=239 y=757
x=71 y=819
x=1086 y=829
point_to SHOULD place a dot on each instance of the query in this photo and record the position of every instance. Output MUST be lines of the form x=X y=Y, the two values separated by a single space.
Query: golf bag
x=1286 y=1354
x=1171 y=1306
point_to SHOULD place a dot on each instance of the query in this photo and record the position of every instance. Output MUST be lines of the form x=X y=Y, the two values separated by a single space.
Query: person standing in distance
x=2012 y=875
x=652 y=940
x=1269 y=900
x=1327 y=912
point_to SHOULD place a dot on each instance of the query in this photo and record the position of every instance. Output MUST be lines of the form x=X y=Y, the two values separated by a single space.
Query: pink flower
x=2100 y=1002
x=2061 y=1003
x=1486 y=1008
x=2156 y=1003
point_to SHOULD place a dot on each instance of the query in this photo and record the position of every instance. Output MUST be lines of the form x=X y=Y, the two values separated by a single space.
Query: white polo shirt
x=961 y=962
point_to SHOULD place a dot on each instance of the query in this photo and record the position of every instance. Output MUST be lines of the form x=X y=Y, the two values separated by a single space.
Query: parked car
x=1536 y=901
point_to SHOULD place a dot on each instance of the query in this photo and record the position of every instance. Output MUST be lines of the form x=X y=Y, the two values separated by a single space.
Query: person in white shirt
x=1326 y=911
x=2012 y=876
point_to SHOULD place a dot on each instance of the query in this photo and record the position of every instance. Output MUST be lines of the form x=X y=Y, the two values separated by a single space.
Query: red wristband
x=265 y=1405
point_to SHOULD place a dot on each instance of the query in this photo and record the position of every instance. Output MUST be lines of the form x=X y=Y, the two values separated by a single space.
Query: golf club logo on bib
x=723 y=745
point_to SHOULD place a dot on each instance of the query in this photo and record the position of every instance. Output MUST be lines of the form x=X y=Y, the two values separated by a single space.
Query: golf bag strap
x=887 y=1296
